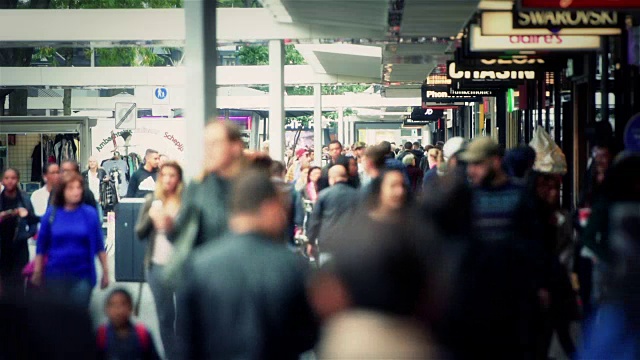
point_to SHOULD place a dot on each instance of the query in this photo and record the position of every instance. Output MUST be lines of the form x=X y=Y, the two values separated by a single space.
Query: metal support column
x=547 y=108
x=604 y=80
x=501 y=118
x=528 y=116
x=625 y=85
x=276 y=100
x=341 y=132
x=540 y=107
x=200 y=17
x=467 y=121
x=317 y=124
x=558 y=123
x=568 y=149
x=255 y=131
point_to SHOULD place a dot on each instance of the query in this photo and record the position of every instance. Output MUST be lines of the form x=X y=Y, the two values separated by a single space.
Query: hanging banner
x=506 y=23
x=566 y=19
x=490 y=62
x=422 y=117
x=455 y=74
x=439 y=93
x=489 y=87
x=479 y=42
x=580 y=4
x=457 y=89
x=166 y=137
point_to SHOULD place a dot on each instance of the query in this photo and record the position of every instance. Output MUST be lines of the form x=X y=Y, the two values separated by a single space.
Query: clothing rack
x=54 y=148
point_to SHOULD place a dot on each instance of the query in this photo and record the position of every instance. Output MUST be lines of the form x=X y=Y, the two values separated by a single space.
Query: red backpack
x=141 y=332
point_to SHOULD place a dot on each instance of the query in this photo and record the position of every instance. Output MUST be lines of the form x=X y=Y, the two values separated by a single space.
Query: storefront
x=163 y=135
x=28 y=143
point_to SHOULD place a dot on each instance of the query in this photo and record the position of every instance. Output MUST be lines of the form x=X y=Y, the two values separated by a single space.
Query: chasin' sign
x=565 y=19
x=453 y=73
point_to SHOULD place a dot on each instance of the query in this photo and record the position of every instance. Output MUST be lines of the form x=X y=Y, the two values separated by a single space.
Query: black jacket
x=208 y=202
x=101 y=175
x=14 y=252
x=145 y=230
x=244 y=298
x=334 y=205
x=27 y=226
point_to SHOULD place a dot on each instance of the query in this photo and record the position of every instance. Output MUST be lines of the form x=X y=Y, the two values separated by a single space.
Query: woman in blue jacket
x=70 y=238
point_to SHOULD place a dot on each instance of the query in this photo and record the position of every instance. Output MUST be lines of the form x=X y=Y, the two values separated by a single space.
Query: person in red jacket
x=120 y=338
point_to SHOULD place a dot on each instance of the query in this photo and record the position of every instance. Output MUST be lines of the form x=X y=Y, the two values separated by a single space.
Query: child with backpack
x=120 y=338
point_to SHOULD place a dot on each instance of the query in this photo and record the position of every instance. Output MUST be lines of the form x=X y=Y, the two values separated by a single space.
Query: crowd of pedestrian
x=456 y=250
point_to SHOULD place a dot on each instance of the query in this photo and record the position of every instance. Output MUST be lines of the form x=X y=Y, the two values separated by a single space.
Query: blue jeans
x=76 y=292
x=164 y=299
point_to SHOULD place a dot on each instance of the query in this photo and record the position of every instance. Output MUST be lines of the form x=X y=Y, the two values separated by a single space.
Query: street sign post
x=125 y=115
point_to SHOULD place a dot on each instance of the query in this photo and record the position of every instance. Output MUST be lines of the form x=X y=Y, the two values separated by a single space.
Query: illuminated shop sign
x=550 y=42
x=580 y=4
x=442 y=94
x=456 y=74
x=565 y=19
x=502 y=23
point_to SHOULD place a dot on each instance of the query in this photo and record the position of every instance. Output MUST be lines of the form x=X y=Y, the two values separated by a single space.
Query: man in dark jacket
x=418 y=153
x=245 y=294
x=143 y=181
x=335 y=151
x=333 y=206
x=408 y=146
x=204 y=213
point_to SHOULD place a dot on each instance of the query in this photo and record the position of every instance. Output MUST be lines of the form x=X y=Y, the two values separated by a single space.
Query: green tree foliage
x=115 y=4
x=259 y=55
x=129 y=56
x=238 y=3
x=253 y=55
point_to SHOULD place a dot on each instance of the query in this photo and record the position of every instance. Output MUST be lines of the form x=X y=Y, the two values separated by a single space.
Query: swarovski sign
x=456 y=74
x=565 y=19
x=558 y=23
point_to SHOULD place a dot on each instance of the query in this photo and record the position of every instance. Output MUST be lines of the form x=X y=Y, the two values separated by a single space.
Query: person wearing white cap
x=450 y=151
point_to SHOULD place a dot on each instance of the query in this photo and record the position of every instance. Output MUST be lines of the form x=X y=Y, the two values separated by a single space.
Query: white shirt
x=162 y=249
x=40 y=200
x=94 y=184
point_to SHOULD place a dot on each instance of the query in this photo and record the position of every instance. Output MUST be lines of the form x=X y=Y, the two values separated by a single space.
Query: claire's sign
x=550 y=42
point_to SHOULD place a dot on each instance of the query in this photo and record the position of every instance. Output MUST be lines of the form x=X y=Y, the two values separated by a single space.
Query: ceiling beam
x=163 y=76
x=148 y=26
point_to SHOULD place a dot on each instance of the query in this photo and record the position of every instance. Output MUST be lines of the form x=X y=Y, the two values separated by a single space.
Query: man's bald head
x=337 y=173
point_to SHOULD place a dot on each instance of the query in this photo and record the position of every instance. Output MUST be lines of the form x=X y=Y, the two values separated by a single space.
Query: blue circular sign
x=632 y=134
x=161 y=93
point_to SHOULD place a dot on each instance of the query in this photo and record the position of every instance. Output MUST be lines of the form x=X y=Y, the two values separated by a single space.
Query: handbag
x=29 y=269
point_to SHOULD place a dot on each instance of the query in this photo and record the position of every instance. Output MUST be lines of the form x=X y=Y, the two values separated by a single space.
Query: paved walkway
x=148 y=316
